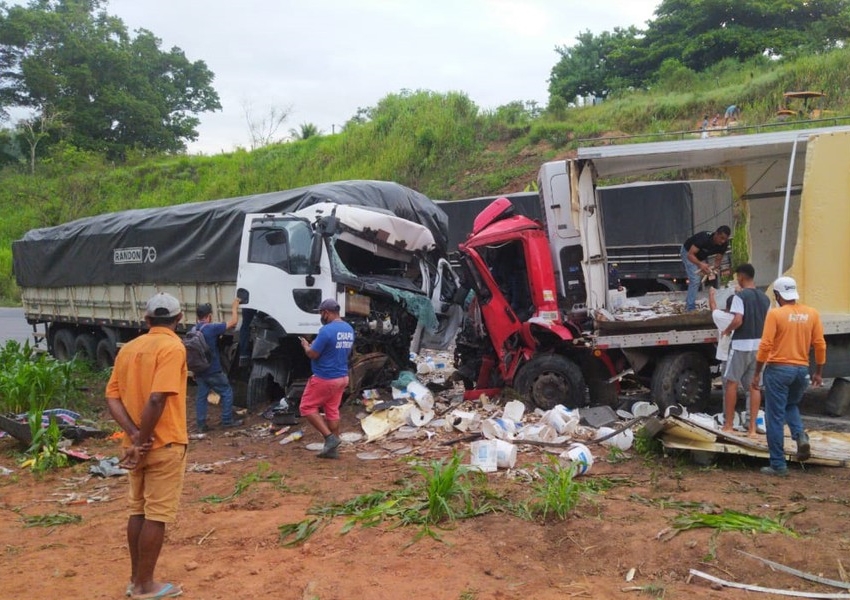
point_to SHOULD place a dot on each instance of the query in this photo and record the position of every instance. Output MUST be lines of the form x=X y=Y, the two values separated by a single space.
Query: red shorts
x=323 y=393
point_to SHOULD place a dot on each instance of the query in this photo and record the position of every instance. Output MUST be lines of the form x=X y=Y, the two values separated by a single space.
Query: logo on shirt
x=798 y=318
x=344 y=340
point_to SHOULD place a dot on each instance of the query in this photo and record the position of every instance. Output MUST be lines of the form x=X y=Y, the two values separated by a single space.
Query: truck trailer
x=374 y=246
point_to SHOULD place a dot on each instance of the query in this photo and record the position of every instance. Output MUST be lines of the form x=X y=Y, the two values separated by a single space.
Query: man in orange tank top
x=790 y=331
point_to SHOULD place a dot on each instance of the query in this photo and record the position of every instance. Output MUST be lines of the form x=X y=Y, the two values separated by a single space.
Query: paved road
x=13 y=326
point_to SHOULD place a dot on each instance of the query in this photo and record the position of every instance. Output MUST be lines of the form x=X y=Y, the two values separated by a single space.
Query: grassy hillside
x=440 y=144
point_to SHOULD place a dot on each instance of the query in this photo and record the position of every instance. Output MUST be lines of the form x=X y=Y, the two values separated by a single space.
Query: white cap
x=787 y=288
x=162 y=305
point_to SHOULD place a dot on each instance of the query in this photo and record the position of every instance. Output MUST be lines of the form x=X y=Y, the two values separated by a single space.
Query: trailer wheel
x=551 y=379
x=64 y=345
x=105 y=354
x=85 y=347
x=682 y=378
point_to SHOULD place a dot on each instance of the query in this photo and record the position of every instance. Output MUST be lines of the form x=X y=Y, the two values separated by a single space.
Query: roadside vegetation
x=30 y=385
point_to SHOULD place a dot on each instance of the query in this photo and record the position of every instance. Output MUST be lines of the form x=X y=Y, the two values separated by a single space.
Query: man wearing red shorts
x=146 y=395
x=328 y=355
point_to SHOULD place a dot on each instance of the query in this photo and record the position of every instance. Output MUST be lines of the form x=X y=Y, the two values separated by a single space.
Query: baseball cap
x=204 y=309
x=329 y=304
x=787 y=288
x=162 y=305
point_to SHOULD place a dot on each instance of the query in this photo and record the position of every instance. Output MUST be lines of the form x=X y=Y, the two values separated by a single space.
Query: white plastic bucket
x=555 y=419
x=483 y=455
x=417 y=417
x=498 y=428
x=564 y=420
x=622 y=440
x=540 y=432
x=505 y=454
x=421 y=395
x=514 y=410
x=463 y=420
x=643 y=409
x=578 y=455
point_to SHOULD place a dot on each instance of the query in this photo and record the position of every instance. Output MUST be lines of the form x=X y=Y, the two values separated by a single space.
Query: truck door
x=275 y=272
x=498 y=291
x=449 y=312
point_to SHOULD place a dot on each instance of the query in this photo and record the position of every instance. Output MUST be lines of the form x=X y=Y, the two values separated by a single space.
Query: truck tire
x=683 y=378
x=85 y=347
x=64 y=345
x=550 y=379
x=105 y=354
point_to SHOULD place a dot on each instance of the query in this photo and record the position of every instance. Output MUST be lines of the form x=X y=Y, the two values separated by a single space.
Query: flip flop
x=169 y=590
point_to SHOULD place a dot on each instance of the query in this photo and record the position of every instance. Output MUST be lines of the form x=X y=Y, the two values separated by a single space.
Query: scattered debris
x=758 y=588
x=802 y=574
x=108 y=467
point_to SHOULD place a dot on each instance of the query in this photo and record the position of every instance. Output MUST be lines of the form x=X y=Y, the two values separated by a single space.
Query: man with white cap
x=328 y=355
x=146 y=395
x=790 y=331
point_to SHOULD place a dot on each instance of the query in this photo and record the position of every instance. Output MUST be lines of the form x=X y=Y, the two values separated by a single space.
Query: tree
x=35 y=129
x=594 y=66
x=263 y=130
x=697 y=34
x=700 y=33
x=305 y=131
x=116 y=91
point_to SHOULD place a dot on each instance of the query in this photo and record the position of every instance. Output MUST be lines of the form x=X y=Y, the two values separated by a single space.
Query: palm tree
x=304 y=131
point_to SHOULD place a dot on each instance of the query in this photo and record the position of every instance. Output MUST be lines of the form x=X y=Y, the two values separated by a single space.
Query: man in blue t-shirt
x=214 y=378
x=328 y=355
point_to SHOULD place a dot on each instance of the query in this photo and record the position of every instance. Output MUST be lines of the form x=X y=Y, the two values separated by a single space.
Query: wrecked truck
x=374 y=246
x=543 y=317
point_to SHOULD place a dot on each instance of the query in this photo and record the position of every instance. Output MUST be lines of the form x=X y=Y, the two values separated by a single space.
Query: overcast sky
x=327 y=58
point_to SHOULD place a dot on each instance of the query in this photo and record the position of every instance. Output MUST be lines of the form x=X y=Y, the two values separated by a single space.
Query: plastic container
x=643 y=409
x=498 y=428
x=421 y=395
x=579 y=456
x=514 y=411
x=505 y=454
x=540 y=432
x=484 y=455
x=417 y=417
x=463 y=420
x=622 y=440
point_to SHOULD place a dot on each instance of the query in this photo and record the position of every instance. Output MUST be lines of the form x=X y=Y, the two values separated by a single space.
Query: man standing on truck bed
x=146 y=395
x=749 y=309
x=328 y=355
x=695 y=251
x=790 y=331
x=214 y=378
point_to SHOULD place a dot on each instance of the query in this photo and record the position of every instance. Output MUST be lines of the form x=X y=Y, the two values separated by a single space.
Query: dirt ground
x=231 y=549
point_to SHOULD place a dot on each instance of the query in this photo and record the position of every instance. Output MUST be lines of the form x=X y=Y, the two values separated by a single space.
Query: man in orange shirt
x=146 y=395
x=790 y=331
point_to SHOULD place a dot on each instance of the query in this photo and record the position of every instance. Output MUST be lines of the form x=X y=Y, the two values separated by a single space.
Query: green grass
x=51 y=520
x=262 y=475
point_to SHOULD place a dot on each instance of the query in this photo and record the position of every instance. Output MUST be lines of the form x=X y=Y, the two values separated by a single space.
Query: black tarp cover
x=189 y=243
